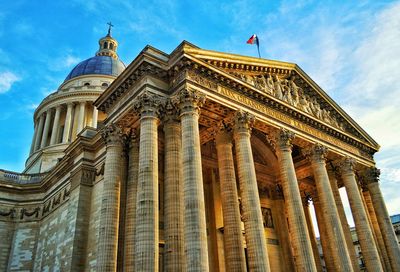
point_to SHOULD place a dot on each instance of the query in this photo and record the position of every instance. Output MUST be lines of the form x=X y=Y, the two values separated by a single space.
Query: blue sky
x=350 y=48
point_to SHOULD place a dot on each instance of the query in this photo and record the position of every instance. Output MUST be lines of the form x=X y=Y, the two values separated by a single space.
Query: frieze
x=285 y=119
x=205 y=77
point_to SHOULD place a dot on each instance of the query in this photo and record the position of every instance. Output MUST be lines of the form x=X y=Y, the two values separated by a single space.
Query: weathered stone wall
x=6 y=235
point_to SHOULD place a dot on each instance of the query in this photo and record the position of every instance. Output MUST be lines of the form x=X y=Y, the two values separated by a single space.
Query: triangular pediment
x=287 y=83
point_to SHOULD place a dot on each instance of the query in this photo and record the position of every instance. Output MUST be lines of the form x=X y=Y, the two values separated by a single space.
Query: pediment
x=288 y=84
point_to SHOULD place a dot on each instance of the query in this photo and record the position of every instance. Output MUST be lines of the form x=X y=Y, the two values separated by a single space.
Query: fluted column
x=317 y=156
x=194 y=208
x=174 y=255
x=147 y=216
x=39 y=132
x=382 y=215
x=94 y=117
x=343 y=219
x=311 y=232
x=233 y=239
x=81 y=117
x=364 y=232
x=252 y=217
x=35 y=132
x=46 y=129
x=67 y=123
x=110 y=201
x=297 y=222
x=131 y=197
x=54 y=131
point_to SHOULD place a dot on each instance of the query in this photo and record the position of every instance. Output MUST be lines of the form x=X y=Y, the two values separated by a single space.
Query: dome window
x=104 y=84
x=111 y=46
x=105 y=45
x=86 y=84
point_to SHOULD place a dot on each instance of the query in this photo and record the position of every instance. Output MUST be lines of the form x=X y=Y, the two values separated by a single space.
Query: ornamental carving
x=243 y=121
x=189 y=100
x=288 y=91
x=147 y=104
x=112 y=134
x=345 y=165
x=169 y=111
x=316 y=153
x=284 y=138
x=371 y=174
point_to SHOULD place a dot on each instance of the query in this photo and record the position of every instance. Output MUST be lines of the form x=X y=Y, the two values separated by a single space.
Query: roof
x=103 y=65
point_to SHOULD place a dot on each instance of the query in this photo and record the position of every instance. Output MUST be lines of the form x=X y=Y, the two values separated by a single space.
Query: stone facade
x=201 y=161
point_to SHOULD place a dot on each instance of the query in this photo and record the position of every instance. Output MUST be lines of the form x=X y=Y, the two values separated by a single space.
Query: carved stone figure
x=278 y=88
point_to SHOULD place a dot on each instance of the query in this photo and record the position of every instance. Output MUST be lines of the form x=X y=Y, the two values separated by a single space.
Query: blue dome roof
x=99 y=65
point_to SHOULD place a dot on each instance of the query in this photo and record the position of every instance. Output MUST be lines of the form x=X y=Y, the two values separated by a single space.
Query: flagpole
x=258 y=49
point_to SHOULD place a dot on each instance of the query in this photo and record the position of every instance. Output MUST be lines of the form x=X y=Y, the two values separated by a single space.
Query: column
x=110 y=201
x=375 y=227
x=251 y=207
x=317 y=156
x=343 y=219
x=94 y=117
x=54 y=131
x=297 y=222
x=173 y=191
x=147 y=217
x=311 y=232
x=233 y=241
x=46 y=129
x=283 y=232
x=39 y=132
x=35 y=132
x=323 y=236
x=194 y=208
x=364 y=232
x=131 y=197
x=81 y=117
x=382 y=215
x=67 y=124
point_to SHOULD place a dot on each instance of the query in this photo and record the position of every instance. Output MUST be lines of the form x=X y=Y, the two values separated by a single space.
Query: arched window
x=111 y=45
x=104 y=84
x=86 y=84
x=105 y=45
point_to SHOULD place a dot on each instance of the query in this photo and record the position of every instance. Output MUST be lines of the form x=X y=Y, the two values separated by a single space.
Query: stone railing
x=18 y=178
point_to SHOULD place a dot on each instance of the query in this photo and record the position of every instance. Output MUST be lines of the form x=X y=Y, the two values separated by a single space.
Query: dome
x=99 y=65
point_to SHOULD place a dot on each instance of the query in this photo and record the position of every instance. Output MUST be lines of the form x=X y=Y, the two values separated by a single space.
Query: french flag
x=253 y=40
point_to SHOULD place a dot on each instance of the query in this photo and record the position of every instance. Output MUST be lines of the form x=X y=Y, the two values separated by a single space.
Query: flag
x=253 y=40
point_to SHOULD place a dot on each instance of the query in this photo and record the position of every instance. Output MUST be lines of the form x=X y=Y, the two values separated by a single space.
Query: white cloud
x=63 y=62
x=7 y=79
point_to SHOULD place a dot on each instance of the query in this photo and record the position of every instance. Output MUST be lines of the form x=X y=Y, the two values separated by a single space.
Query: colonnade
x=185 y=230
x=50 y=130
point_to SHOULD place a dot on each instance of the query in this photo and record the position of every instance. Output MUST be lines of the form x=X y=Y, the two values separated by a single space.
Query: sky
x=349 y=48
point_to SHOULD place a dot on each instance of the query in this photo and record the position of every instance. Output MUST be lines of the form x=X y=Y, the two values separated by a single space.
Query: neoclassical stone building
x=192 y=161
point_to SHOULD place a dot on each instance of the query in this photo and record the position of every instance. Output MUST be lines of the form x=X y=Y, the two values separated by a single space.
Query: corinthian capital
x=243 y=121
x=169 y=111
x=316 y=153
x=371 y=174
x=284 y=138
x=189 y=100
x=112 y=135
x=345 y=165
x=147 y=104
